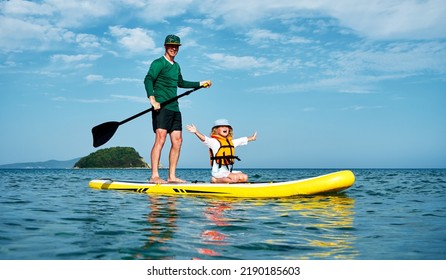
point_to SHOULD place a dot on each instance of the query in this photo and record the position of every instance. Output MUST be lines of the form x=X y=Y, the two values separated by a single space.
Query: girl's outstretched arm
x=253 y=137
x=193 y=129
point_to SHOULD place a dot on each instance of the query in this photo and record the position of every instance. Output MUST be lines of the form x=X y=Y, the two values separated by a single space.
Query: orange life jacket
x=225 y=154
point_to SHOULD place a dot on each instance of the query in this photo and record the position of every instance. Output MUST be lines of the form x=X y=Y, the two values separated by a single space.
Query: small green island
x=116 y=157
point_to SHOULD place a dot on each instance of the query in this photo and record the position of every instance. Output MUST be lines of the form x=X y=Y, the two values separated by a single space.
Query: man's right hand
x=156 y=105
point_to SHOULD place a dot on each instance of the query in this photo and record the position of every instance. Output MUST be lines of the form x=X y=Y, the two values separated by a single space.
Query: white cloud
x=396 y=58
x=155 y=10
x=309 y=109
x=63 y=61
x=134 y=39
x=184 y=31
x=74 y=58
x=100 y=78
x=114 y=98
x=126 y=80
x=234 y=62
x=264 y=38
x=94 y=78
x=374 y=19
x=87 y=41
x=186 y=35
x=80 y=100
x=17 y=34
x=46 y=25
x=397 y=19
x=258 y=66
x=137 y=99
x=356 y=90
x=25 y=8
x=81 y=12
x=361 y=107
x=360 y=68
x=63 y=13
x=259 y=35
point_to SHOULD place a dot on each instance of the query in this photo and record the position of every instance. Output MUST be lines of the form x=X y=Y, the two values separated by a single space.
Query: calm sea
x=388 y=214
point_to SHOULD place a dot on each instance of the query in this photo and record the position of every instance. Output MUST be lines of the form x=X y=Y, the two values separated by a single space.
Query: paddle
x=104 y=132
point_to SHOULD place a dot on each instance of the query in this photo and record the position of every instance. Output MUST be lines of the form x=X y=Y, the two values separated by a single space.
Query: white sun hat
x=222 y=122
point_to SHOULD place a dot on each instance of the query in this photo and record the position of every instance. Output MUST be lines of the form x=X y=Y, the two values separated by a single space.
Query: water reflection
x=212 y=235
x=161 y=227
x=316 y=227
x=328 y=225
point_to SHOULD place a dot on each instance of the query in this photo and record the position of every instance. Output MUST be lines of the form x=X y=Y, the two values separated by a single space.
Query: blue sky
x=326 y=84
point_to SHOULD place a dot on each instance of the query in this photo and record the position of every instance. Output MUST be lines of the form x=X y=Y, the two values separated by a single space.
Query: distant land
x=42 y=165
x=116 y=157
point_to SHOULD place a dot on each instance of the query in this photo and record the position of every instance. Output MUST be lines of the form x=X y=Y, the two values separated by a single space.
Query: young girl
x=221 y=148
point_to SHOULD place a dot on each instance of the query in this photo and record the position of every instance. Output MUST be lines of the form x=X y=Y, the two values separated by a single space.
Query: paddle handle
x=162 y=105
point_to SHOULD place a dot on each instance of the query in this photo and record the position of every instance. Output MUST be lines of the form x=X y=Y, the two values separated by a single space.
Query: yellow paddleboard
x=329 y=183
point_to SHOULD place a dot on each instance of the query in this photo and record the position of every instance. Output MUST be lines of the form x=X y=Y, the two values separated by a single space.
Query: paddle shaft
x=162 y=105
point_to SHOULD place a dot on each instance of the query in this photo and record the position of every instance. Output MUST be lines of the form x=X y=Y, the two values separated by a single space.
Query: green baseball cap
x=172 y=40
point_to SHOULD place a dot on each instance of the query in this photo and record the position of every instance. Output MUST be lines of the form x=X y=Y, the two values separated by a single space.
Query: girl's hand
x=191 y=128
x=194 y=130
x=253 y=137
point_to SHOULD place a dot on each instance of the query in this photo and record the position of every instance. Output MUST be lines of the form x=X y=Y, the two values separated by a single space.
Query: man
x=161 y=82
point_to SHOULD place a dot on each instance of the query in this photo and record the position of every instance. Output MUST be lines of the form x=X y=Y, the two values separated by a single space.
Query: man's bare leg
x=176 y=140
x=160 y=139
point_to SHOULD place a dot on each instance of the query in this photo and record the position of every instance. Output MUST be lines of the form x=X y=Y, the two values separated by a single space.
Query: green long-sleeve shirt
x=162 y=81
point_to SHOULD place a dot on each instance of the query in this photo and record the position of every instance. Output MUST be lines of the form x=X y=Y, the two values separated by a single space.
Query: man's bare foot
x=175 y=180
x=157 y=180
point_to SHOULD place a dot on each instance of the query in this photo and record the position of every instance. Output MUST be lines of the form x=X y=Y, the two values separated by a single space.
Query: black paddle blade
x=103 y=132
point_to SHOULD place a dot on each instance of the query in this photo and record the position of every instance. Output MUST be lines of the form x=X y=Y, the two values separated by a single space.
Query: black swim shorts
x=166 y=119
